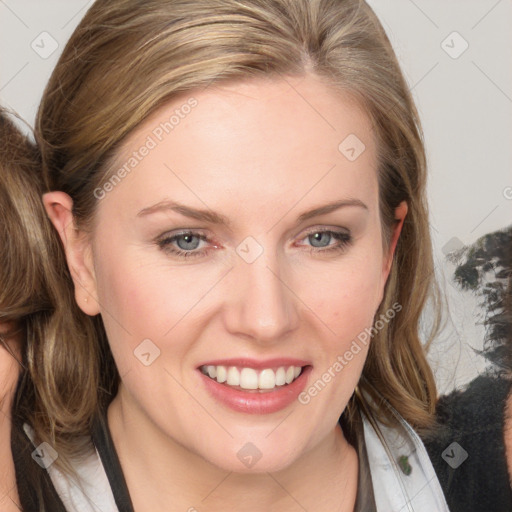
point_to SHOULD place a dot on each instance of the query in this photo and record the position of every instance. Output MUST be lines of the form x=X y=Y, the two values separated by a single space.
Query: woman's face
x=208 y=254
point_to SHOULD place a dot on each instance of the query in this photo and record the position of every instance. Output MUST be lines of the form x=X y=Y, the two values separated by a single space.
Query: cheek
x=345 y=298
x=346 y=305
x=153 y=295
x=148 y=299
x=8 y=375
x=347 y=295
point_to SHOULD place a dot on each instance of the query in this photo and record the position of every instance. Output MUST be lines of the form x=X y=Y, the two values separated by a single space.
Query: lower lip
x=254 y=402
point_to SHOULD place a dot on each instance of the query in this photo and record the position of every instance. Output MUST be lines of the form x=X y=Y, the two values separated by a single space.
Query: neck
x=323 y=479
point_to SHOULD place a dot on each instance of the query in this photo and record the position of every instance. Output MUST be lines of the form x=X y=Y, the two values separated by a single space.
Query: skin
x=9 y=370
x=507 y=432
x=261 y=155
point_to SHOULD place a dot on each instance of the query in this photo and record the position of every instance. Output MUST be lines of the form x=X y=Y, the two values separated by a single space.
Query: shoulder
x=483 y=400
x=474 y=416
x=45 y=486
x=35 y=488
x=401 y=471
x=467 y=450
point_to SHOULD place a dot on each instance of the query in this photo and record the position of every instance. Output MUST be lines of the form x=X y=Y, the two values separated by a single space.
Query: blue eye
x=183 y=244
x=320 y=240
x=190 y=242
x=186 y=244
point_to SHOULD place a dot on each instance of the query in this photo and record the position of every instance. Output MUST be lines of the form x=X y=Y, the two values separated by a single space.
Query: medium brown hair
x=23 y=280
x=128 y=58
x=31 y=290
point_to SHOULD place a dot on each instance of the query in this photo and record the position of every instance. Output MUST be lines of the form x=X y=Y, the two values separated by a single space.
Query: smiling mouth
x=249 y=379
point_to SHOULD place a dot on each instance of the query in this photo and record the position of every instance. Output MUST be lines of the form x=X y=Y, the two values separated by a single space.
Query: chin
x=252 y=457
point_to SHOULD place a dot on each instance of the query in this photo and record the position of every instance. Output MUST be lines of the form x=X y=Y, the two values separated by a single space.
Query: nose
x=262 y=306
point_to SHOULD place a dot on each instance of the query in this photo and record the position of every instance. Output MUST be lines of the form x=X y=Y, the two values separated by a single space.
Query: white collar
x=394 y=489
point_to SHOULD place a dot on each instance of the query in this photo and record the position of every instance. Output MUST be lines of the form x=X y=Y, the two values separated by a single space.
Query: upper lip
x=257 y=364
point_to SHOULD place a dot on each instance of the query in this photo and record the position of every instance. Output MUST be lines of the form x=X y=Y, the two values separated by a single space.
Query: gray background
x=464 y=99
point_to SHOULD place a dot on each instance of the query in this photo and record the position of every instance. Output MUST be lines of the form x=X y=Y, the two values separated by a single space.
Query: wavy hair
x=28 y=291
x=126 y=59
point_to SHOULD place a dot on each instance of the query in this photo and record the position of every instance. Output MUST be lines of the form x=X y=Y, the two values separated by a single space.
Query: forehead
x=255 y=138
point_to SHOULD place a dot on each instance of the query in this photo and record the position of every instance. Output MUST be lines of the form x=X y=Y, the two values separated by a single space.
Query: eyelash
x=344 y=238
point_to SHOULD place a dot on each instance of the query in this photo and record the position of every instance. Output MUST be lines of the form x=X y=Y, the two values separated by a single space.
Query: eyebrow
x=216 y=218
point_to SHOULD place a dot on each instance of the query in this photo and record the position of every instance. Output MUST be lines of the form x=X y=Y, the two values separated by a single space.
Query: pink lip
x=257 y=364
x=253 y=401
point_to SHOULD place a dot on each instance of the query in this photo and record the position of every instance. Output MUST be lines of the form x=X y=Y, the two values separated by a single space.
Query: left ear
x=400 y=214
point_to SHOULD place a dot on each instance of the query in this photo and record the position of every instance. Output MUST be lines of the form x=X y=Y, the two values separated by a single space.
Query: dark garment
x=474 y=419
x=365 y=498
x=102 y=438
x=37 y=493
x=35 y=488
x=108 y=455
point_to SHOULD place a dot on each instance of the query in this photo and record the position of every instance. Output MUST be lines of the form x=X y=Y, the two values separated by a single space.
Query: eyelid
x=183 y=232
x=165 y=241
x=319 y=229
x=204 y=235
x=322 y=229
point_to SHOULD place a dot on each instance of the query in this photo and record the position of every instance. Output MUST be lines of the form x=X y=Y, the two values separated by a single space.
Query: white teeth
x=267 y=379
x=280 y=376
x=249 y=378
x=233 y=376
x=222 y=374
